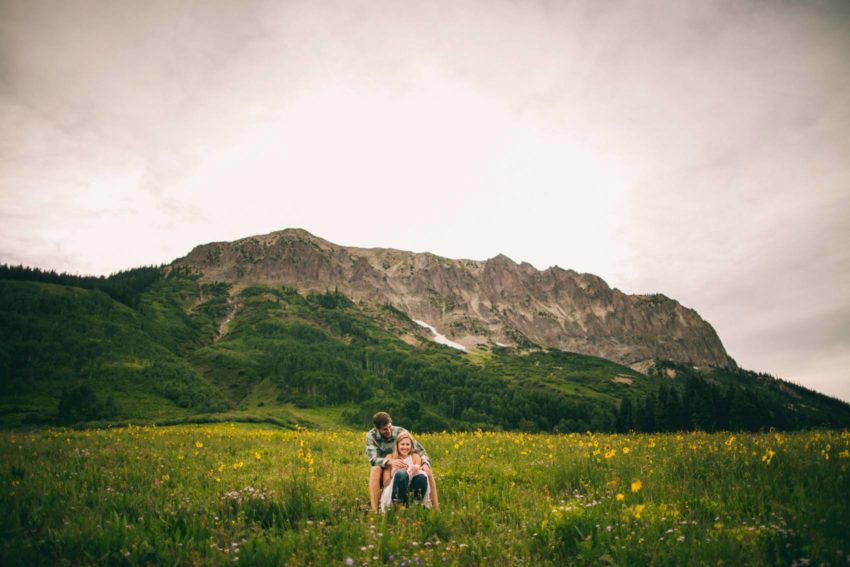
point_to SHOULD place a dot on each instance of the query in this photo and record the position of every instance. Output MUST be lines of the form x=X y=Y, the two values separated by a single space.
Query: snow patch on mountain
x=442 y=339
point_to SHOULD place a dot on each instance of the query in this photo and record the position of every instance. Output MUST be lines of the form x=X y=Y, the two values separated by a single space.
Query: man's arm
x=419 y=450
x=373 y=454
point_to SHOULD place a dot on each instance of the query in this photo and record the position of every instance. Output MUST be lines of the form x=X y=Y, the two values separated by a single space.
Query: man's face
x=387 y=430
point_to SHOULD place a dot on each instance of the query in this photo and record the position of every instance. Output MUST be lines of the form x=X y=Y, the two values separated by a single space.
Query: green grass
x=205 y=495
x=327 y=417
x=263 y=394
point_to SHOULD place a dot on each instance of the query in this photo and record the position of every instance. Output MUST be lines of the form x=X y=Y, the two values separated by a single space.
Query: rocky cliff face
x=493 y=302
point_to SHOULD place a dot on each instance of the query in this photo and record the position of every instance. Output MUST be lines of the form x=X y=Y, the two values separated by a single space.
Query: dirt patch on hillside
x=411 y=340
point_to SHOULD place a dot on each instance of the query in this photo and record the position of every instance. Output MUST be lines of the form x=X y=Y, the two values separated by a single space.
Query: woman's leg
x=419 y=487
x=400 y=482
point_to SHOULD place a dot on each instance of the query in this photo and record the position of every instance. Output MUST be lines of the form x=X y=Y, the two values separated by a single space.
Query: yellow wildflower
x=620 y=497
x=636 y=486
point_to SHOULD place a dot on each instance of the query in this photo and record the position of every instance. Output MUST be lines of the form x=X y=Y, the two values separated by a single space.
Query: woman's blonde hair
x=402 y=435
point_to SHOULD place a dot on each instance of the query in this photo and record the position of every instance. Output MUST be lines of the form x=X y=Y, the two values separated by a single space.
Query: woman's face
x=404 y=446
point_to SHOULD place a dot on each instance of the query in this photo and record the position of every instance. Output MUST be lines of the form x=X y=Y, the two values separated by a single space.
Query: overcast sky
x=696 y=149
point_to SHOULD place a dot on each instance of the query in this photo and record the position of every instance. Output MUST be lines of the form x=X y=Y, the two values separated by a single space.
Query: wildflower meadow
x=229 y=494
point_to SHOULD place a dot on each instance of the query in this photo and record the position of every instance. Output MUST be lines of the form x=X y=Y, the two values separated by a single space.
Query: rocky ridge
x=494 y=302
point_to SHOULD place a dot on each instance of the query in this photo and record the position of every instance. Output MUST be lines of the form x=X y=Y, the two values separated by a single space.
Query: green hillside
x=155 y=345
x=55 y=339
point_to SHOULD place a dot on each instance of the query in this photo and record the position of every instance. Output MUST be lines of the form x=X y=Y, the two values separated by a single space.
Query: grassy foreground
x=219 y=494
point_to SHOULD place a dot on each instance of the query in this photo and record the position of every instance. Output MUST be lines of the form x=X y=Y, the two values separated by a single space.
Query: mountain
x=495 y=302
x=180 y=343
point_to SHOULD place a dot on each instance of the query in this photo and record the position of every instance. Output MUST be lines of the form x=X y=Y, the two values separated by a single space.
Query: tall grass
x=225 y=494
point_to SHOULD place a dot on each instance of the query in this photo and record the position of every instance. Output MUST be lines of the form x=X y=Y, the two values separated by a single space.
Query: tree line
x=706 y=406
x=125 y=286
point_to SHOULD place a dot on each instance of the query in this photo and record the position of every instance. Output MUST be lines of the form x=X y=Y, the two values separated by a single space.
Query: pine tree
x=625 y=416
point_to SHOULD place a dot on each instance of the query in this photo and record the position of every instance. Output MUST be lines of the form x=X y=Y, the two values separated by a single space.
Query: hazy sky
x=697 y=149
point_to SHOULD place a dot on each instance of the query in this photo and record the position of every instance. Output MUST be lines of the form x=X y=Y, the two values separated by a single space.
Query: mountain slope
x=56 y=337
x=322 y=349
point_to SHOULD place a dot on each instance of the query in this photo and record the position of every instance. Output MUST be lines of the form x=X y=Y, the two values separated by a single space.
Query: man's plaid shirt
x=377 y=447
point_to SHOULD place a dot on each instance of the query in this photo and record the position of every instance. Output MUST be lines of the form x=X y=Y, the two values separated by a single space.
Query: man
x=379 y=444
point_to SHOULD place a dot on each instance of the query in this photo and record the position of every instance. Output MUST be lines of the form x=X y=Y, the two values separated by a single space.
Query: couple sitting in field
x=401 y=470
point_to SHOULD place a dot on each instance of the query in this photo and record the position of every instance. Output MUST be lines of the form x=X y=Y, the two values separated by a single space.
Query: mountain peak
x=299 y=232
x=501 y=259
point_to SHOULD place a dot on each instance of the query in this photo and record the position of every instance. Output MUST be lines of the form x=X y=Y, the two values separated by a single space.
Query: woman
x=400 y=481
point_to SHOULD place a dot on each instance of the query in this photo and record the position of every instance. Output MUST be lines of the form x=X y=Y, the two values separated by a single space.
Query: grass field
x=225 y=494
